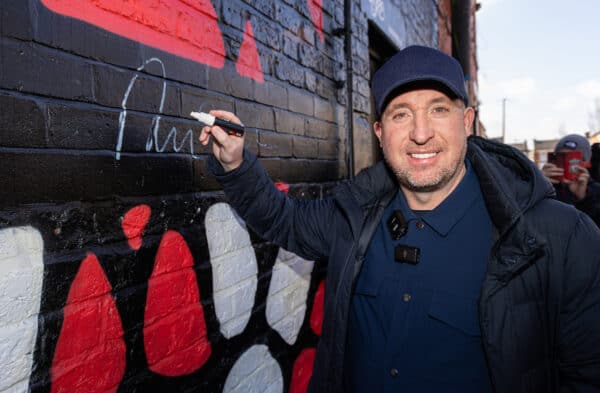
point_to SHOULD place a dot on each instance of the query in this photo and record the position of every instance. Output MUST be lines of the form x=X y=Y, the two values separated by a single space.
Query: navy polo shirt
x=415 y=328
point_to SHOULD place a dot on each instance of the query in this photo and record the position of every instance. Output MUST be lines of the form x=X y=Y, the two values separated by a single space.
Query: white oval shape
x=234 y=268
x=288 y=291
x=255 y=371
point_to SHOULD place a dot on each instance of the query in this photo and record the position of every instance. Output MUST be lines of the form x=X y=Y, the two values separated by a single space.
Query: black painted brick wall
x=62 y=87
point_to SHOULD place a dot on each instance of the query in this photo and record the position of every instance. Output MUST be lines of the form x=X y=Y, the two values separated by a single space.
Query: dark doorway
x=366 y=147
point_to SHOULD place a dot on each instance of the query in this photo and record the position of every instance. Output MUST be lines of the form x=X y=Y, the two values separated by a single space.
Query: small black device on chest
x=398 y=227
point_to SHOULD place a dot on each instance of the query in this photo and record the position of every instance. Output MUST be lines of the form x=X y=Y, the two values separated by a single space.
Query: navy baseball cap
x=417 y=64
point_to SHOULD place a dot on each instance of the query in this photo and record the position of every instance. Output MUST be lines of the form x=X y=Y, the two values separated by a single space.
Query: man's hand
x=552 y=173
x=228 y=149
x=579 y=187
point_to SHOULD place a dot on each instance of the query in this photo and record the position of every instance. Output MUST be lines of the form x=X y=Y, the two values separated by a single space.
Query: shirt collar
x=453 y=208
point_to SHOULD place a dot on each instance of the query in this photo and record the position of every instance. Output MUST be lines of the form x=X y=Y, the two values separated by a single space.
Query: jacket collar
x=373 y=187
x=511 y=185
x=510 y=182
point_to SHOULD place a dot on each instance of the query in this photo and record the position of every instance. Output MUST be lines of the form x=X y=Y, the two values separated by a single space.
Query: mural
x=99 y=334
x=154 y=294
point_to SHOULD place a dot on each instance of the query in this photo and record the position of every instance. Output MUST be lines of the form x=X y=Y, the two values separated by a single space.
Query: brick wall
x=122 y=266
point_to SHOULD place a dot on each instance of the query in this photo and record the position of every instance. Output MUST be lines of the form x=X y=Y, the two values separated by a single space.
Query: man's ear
x=468 y=117
x=377 y=130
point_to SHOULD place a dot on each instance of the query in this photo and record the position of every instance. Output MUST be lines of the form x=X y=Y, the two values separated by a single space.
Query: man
x=447 y=269
x=584 y=191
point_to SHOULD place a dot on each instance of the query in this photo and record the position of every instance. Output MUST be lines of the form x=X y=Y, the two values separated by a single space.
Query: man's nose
x=421 y=131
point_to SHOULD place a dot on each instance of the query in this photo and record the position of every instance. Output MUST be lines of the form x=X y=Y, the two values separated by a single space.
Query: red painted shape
x=134 y=223
x=186 y=28
x=90 y=352
x=248 y=63
x=302 y=371
x=316 y=315
x=174 y=327
x=315 y=8
x=283 y=187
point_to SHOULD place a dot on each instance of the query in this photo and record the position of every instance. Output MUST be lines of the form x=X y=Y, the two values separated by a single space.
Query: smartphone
x=567 y=160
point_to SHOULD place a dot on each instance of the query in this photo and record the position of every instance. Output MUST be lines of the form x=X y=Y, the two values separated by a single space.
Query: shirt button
x=394 y=372
x=406 y=297
x=420 y=224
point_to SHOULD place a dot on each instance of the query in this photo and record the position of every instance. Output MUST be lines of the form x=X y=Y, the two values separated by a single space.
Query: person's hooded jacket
x=539 y=307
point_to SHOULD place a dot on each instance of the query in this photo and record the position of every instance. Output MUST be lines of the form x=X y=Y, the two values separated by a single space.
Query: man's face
x=423 y=133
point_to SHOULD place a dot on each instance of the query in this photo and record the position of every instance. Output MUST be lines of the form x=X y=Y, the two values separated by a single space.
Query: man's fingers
x=217 y=132
x=204 y=137
x=221 y=137
x=226 y=116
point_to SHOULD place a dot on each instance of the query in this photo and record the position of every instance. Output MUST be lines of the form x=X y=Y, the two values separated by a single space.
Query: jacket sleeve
x=302 y=227
x=579 y=341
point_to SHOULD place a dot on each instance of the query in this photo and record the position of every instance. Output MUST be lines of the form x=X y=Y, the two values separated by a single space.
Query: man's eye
x=439 y=111
x=400 y=116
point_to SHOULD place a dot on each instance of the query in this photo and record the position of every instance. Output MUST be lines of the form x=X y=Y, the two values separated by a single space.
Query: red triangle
x=248 y=63
x=174 y=327
x=90 y=352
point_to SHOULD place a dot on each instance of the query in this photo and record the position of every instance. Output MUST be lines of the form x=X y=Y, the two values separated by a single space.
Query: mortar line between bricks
x=97 y=152
x=103 y=152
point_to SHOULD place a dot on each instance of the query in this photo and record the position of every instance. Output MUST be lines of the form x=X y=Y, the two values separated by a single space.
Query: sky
x=543 y=57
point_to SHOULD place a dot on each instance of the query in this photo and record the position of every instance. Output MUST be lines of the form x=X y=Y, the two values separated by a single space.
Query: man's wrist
x=232 y=166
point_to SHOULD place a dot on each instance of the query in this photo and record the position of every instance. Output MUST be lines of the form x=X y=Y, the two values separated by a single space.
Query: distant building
x=522 y=146
x=593 y=137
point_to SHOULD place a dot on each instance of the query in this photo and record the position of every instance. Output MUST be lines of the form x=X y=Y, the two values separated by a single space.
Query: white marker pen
x=210 y=120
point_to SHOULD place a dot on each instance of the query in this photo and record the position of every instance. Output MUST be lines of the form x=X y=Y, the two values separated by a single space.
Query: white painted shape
x=228 y=231
x=234 y=268
x=255 y=371
x=235 y=326
x=17 y=343
x=290 y=326
x=19 y=387
x=288 y=291
x=8 y=248
x=226 y=299
x=21 y=276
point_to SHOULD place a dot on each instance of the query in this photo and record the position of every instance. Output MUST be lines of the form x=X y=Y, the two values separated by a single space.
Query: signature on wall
x=153 y=140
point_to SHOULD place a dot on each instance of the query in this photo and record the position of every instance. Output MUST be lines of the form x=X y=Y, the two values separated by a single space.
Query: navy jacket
x=539 y=307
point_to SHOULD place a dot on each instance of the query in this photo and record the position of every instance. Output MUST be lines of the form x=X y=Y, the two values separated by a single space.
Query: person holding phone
x=567 y=170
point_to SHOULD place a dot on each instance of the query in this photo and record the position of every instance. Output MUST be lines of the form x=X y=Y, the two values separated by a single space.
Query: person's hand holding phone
x=579 y=187
x=553 y=172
